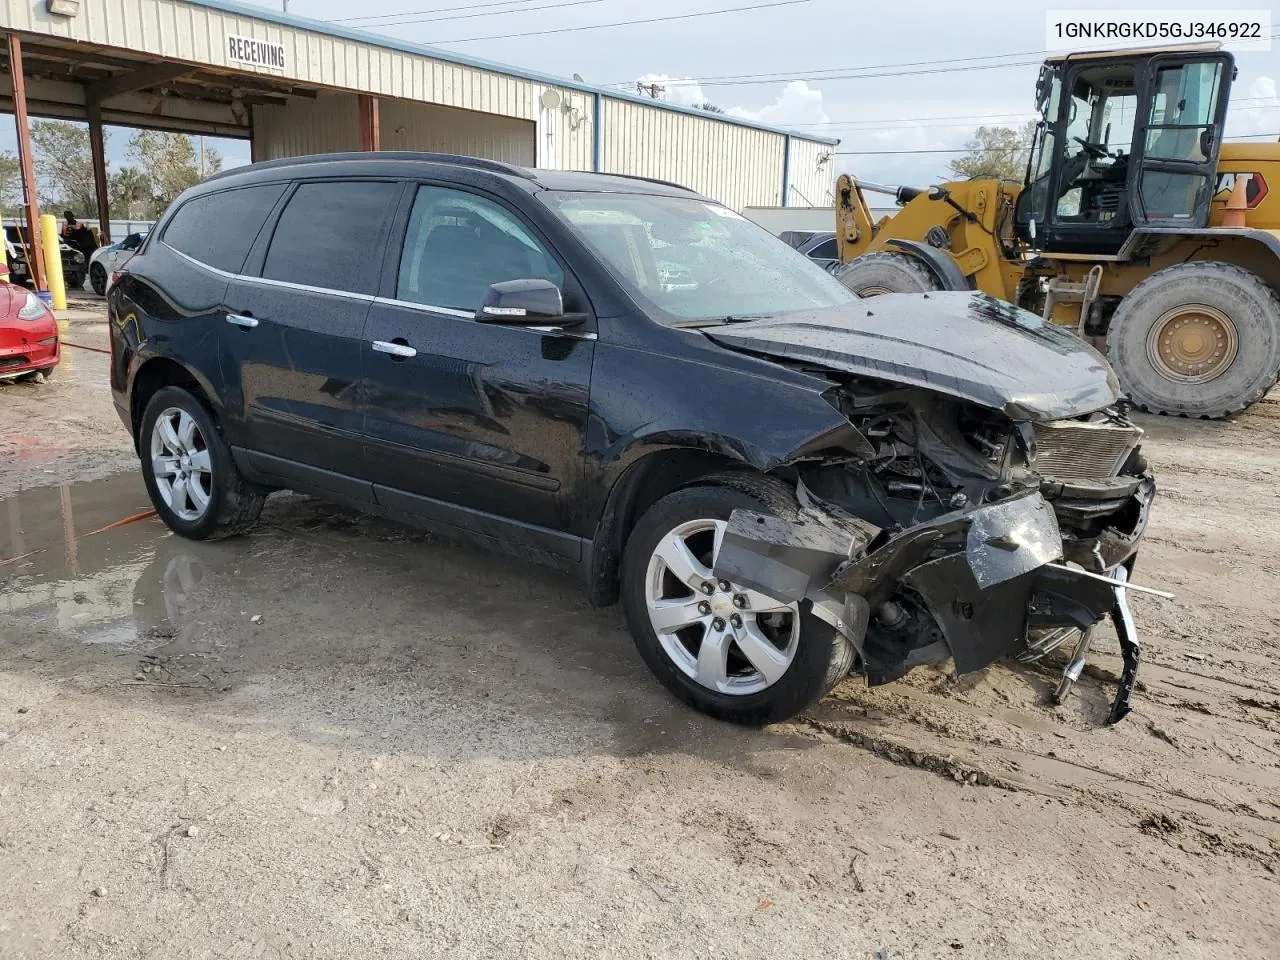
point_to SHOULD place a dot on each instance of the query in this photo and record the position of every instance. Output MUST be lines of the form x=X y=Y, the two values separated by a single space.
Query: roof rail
x=665 y=183
x=496 y=166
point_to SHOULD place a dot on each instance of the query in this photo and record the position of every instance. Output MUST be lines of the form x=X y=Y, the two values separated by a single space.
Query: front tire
x=876 y=273
x=1197 y=340
x=98 y=278
x=190 y=475
x=734 y=654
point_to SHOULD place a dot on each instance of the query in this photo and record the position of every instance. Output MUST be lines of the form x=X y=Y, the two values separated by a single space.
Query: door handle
x=401 y=351
x=243 y=321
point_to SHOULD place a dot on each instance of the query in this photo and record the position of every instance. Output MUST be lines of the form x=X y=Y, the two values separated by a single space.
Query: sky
x=876 y=116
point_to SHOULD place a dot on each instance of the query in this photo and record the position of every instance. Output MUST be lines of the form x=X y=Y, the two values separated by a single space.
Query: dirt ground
x=338 y=737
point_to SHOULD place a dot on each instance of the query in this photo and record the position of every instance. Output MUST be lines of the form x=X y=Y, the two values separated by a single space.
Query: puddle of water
x=125 y=585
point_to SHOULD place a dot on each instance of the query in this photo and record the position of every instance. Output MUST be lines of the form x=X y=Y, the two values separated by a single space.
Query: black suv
x=625 y=379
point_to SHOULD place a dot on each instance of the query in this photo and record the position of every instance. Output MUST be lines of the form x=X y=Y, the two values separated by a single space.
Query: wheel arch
x=939 y=263
x=153 y=374
x=642 y=484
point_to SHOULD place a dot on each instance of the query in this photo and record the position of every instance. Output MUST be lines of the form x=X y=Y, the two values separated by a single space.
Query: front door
x=295 y=325
x=480 y=416
x=1178 y=139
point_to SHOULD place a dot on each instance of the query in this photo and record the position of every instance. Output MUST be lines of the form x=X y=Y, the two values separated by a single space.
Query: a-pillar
x=98 y=149
x=370 y=128
x=35 y=253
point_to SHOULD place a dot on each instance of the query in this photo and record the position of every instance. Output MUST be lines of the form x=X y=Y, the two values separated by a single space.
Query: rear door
x=294 y=327
x=481 y=416
x=1178 y=139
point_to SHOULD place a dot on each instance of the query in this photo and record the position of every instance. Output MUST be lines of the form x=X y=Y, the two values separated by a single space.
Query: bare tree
x=170 y=164
x=64 y=166
x=999 y=152
x=10 y=184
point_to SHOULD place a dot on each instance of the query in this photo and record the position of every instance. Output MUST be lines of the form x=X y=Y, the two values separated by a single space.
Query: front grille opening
x=1072 y=450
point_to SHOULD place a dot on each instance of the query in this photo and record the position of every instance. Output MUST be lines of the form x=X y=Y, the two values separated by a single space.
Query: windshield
x=692 y=260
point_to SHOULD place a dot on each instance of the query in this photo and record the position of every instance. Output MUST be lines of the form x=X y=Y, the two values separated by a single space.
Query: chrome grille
x=1073 y=450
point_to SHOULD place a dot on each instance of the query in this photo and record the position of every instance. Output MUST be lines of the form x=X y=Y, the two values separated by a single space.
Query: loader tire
x=877 y=273
x=1197 y=340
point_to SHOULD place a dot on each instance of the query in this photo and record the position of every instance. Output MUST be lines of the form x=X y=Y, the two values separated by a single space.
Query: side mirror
x=527 y=302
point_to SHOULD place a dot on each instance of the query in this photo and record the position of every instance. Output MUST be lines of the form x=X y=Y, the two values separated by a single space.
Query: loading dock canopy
x=294 y=86
x=64 y=77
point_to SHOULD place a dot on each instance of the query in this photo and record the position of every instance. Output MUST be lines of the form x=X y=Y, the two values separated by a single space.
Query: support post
x=370 y=128
x=597 y=133
x=786 y=170
x=98 y=152
x=35 y=255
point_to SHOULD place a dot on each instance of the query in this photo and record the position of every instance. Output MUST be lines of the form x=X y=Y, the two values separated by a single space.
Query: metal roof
x=435 y=53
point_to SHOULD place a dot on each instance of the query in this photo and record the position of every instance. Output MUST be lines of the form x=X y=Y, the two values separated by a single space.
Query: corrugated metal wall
x=738 y=165
x=734 y=164
x=330 y=123
x=811 y=174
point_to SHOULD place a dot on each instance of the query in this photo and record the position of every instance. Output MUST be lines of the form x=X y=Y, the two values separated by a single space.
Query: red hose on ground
x=81 y=346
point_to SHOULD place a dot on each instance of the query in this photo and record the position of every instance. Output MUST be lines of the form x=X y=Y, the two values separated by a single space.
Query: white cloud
x=1256 y=110
x=681 y=91
x=797 y=104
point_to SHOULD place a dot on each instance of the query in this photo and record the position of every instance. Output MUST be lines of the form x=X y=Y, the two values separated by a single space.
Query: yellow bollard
x=52 y=244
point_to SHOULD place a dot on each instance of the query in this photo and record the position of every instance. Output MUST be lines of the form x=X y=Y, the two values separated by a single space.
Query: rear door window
x=331 y=235
x=219 y=228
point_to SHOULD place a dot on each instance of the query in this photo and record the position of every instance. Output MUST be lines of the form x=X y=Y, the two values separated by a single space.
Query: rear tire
x=218 y=502
x=811 y=656
x=98 y=278
x=877 y=273
x=1197 y=340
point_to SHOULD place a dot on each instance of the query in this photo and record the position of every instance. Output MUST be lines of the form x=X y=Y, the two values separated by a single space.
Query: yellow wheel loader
x=1135 y=226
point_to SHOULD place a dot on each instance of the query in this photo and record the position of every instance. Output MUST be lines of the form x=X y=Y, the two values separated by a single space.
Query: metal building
x=295 y=86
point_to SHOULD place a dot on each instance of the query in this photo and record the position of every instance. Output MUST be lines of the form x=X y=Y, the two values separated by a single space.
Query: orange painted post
x=370 y=127
x=35 y=255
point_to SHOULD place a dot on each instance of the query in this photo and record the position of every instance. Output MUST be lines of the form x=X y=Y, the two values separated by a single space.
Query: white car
x=107 y=260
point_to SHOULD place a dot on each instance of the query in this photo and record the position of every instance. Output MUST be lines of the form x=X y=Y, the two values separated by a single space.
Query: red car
x=28 y=334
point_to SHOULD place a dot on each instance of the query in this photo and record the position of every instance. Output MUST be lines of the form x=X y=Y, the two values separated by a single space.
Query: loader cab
x=1123 y=140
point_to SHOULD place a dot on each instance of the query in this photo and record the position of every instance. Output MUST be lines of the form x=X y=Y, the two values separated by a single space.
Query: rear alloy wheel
x=1197 y=340
x=181 y=464
x=98 y=278
x=189 y=472
x=876 y=273
x=729 y=651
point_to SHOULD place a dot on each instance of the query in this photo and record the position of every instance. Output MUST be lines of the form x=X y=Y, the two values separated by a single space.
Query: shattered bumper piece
x=987 y=576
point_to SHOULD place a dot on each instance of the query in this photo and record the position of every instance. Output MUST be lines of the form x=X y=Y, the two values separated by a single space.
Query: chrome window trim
x=426 y=307
x=306 y=288
x=464 y=315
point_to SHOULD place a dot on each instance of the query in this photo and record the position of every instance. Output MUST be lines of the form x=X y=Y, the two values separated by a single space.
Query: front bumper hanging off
x=989 y=576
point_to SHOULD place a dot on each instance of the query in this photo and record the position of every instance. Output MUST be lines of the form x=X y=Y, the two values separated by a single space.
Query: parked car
x=821 y=249
x=73 y=261
x=29 y=346
x=781 y=482
x=106 y=261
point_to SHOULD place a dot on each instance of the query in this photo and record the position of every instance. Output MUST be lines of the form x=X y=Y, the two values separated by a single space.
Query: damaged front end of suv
x=994 y=504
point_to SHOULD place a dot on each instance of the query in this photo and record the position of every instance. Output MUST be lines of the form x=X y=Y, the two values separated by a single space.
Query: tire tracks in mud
x=983 y=736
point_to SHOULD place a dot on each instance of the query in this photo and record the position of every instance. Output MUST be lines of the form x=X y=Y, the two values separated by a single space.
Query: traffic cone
x=1237 y=203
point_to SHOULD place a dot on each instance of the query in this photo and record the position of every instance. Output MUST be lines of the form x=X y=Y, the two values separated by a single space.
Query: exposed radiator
x=1072 y=450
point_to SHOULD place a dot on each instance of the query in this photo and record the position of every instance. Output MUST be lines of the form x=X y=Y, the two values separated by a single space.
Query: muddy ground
x=338 y=737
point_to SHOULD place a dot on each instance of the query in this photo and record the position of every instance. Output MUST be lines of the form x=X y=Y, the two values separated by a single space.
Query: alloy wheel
x=181 y=465
x=723 y=636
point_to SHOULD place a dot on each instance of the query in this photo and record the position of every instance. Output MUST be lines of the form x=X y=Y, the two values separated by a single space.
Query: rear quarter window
x=218 y=229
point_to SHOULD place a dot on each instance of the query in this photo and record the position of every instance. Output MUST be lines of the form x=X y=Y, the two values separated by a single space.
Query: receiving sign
x=257 y=53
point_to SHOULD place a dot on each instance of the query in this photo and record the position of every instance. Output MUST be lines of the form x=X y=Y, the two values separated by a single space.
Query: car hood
x=965 y=345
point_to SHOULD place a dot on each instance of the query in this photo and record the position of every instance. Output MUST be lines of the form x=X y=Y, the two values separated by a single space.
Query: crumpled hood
x=965 y=345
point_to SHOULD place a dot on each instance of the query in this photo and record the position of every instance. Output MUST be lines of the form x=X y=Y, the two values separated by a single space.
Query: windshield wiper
x=719 y=321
